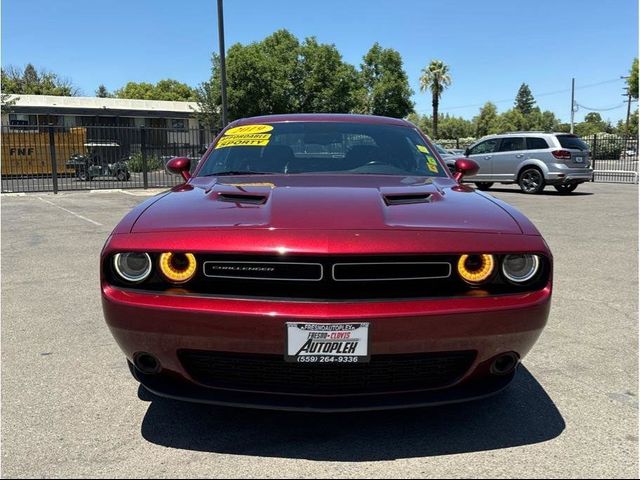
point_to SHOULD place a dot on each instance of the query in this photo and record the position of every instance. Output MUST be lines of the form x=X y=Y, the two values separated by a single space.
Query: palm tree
x=435 y=78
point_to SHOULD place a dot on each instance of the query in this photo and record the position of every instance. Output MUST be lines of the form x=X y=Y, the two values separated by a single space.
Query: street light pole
x=223 y=67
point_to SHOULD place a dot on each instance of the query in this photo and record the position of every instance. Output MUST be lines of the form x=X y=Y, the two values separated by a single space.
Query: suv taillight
x=562 y=154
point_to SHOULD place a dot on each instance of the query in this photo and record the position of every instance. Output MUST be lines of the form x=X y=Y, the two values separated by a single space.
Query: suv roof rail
x=528 y=131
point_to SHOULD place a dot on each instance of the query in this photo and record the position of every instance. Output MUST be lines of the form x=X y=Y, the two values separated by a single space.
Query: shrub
x=136 y=165
x=604 y=146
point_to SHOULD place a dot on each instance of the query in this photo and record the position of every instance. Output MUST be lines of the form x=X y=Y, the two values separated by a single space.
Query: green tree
x=327 y=83
x=621 y=127
x=524 y=100
x=423 y=122
x=386 y=85
x=450 y=127
x=102 y=92
x=486 y=120
x=632 y=81
x=592 y=124
x=436 y=78
x=208 y=97
x=30 y=81
x=511 y=121
x=168 y=90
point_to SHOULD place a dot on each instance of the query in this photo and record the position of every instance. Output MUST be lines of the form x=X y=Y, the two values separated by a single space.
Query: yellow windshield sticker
x=249 y=129
x=250 y=140
x=422 y=148
x=433 y=168
x=431 y=160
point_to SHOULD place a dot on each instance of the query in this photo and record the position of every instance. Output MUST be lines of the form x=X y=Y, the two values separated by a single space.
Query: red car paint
x=319 y=216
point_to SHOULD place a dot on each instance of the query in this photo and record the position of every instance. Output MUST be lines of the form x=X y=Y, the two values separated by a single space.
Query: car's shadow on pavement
x=523 y=414
x=549 y=191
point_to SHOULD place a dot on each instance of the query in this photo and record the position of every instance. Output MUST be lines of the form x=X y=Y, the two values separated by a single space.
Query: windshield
x=322 y=147
x=440 y=150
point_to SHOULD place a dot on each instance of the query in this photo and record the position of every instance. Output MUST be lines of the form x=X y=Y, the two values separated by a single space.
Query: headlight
x=476 y=269
x=178 y=267
x=520 y=268
x=133 y=267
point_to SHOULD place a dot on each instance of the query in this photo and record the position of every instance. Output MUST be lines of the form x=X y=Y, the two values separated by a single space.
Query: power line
x=545 y=94
x=600 y=109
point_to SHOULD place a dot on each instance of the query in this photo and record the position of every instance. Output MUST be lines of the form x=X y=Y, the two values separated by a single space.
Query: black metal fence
x=53 y=158
x=614 y=157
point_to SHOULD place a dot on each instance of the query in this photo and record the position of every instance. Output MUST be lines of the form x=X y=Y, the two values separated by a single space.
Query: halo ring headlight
x=520 y=268
x=133 y=267
x=476 y=269
x=178 y=267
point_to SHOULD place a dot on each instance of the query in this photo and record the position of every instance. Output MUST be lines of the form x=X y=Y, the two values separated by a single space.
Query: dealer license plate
x=327 y=342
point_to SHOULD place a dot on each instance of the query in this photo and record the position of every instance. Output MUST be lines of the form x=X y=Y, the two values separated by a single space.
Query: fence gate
x=52 y=158
x=615 y=158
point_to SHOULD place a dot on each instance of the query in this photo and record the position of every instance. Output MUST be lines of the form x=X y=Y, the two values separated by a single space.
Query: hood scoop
x=243 y=198
x=406 y=198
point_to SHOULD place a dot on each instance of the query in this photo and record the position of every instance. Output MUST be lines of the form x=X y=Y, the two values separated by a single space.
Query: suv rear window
x=572 y=141
x=536 y=143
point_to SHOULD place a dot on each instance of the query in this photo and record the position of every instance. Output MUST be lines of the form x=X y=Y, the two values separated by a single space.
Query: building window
x=178 y=124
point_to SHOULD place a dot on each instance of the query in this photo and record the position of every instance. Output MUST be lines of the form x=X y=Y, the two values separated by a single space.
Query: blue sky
x=492 y=46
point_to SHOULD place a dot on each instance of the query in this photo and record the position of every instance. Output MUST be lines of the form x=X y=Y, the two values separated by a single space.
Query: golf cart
x=101 y=160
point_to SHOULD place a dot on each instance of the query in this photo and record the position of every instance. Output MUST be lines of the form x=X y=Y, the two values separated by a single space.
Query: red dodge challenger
x=324 y=263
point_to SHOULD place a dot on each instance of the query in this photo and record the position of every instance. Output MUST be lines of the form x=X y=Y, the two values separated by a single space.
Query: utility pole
x=573 y=101
x=628 y=95
x=223 y=67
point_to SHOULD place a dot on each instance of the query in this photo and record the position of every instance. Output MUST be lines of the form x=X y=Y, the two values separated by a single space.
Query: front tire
x=531 y=180
x=484 y=186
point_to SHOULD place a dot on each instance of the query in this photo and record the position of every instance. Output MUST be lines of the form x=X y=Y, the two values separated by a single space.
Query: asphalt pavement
x=71 y=409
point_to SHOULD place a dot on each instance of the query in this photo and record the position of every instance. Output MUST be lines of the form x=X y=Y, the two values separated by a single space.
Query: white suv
x=532 y=160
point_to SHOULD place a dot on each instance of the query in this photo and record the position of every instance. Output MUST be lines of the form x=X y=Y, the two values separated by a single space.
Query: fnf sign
x=21 y=151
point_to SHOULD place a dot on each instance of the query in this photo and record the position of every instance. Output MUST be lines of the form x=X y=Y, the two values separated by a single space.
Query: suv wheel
x=484 y=186
x=83 y=175
x=531 y=180
x=566 y=188
x=121 y=176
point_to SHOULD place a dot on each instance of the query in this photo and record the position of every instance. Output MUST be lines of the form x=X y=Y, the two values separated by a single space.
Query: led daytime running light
x=178 y=274
x=478 y=274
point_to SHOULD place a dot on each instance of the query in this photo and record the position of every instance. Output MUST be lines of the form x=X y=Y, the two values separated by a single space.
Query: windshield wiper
x=235 y=172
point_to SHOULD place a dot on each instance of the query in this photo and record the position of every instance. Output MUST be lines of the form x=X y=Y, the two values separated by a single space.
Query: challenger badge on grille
x=310 y=272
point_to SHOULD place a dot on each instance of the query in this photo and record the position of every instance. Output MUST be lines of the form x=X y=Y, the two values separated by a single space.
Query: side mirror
x=465 y=167
x=180 y=166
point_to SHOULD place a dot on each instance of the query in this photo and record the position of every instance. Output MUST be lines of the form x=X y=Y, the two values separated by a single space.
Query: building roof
x=322 y=117
x=57 y=105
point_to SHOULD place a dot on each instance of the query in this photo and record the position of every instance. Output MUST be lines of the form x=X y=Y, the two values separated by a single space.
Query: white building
x=34 y=110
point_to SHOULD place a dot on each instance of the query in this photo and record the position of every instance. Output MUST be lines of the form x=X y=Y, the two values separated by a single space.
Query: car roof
x=529 y=132
x=323 y=117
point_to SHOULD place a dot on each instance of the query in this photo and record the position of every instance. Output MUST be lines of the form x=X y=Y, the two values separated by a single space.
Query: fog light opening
x=146 y=363
x=505 y=364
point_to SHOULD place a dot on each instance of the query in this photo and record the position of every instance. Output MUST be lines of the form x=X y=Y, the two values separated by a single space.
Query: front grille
x=330 y=278
x=270 y=373
x=327 y=278
x=387 y=271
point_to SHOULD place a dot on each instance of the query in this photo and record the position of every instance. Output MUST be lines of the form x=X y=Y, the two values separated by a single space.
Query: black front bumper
x=177 y=389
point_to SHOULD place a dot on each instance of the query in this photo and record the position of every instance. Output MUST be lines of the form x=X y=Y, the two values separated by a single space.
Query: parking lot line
x=72 y=213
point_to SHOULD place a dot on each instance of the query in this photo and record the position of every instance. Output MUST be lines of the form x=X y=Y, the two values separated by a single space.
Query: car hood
x=325 y=202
